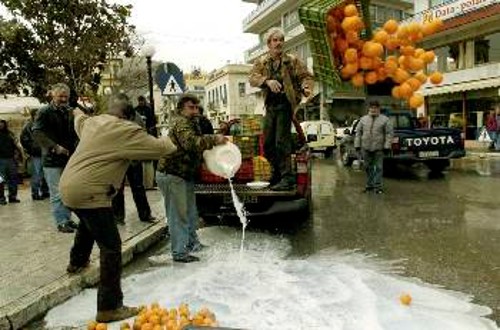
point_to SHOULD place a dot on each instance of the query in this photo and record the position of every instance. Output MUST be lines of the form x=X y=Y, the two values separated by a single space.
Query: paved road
x=446 y=229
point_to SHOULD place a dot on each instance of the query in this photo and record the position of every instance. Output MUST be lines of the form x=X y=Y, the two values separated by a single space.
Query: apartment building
x=468 y=53
x=333 y=105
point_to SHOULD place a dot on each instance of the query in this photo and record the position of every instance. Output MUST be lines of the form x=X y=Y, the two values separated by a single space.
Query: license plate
x=428 y=154
x=244 y=199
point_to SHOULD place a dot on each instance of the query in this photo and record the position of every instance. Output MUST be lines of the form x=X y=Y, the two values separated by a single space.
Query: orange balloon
x=428 y=29
x=351 y=55
x=414 y=28
x=416 y=37
x=358 y=79
x=350 y=69
x=353 y=23
x=341 y=45
x=350 y=10
x=405 y=90
x=381 y=36
x=391 y=26
x=436 y=78
x=331 y=24
x=421 y=76
x=403 y=33
x=414 y=83
x=416 y=101
x=408 y=50
x=392 y=43
x=381 y=74
x=404 y=61
x=101 y=326
x=377 y=63
x=419 y=52
x=366 y=63
x=371 y=77
x=391 y=58
x=438 y=24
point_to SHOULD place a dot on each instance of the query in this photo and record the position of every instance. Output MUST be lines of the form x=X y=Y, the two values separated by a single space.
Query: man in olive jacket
x=284 y=79
x=92 y=177
x=374 y=138
x=176 y=175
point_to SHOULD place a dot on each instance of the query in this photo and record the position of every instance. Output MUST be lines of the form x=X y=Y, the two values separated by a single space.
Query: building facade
x=333 y=105
x=468 y=53
x=226 y=93
x=196 y=82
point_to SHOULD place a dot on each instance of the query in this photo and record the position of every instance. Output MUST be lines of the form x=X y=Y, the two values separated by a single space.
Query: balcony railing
x=266 y=4
x=255 y=52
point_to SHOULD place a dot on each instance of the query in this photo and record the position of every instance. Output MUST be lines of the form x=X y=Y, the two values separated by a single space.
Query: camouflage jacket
x=294 y=72
x=186 y=135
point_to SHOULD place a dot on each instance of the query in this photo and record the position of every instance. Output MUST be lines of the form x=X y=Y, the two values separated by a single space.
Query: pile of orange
x=157 y=318
x=391 y=53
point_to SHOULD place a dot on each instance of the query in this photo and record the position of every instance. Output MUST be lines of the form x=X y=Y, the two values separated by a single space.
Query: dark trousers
x=278 y=139
x=374 y=161
x=8 y=171
x=136 y=182
x=99 y=225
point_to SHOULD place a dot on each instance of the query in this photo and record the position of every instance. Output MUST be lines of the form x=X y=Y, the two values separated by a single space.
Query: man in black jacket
x=148 y=114
x=8 y=168
x=39 y=188
x=53 y=130
x=206 y=126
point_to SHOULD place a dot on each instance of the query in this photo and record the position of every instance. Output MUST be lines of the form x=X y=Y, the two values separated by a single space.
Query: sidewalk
x=34 y=256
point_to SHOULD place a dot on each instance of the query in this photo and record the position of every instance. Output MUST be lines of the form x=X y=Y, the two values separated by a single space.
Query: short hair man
x=176 y=175
x=283 y=79
x=53 y=131
x=206 y=126
x=93 y=175
x=374 y=138
x=145 y=111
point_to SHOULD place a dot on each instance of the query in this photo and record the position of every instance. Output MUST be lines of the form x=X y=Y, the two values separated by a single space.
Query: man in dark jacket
x=8 y=168
x=205 y=124
x=148 y=114
x=176 y=175
x=39 y=188
x=53 y=130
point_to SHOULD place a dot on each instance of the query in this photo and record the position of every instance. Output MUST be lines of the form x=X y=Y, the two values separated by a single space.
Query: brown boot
x=118 y=314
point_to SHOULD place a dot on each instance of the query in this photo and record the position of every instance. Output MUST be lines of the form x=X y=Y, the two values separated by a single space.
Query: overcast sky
x=192 y=33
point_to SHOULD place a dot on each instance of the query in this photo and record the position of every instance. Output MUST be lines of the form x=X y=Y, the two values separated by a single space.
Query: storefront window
x=487 y=49
x=447 y=58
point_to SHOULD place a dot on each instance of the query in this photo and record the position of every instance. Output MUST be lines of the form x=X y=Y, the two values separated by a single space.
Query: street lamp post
x=148 y=51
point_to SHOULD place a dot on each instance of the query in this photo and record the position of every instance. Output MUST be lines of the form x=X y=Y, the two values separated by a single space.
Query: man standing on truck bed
x=283 y=79
x=374 y=138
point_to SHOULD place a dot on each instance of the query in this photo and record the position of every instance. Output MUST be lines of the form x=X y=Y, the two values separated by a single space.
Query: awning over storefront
x=461 y=87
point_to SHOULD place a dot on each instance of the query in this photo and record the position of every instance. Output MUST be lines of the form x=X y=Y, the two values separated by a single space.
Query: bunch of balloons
x=391 y=53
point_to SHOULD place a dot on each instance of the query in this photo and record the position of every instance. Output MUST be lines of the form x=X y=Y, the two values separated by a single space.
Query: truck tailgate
x=241 y=189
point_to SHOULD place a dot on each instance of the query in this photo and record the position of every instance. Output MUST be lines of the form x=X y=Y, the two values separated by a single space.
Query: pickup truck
x=433 y=147
x=214 y=198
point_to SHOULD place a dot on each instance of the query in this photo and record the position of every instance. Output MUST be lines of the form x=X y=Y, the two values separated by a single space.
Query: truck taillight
x=395 y=140
x=301 y=165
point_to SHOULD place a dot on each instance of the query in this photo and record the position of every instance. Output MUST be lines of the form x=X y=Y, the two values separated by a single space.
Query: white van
x=320 y=136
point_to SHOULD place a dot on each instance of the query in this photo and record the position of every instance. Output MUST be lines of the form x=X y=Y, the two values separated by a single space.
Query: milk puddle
x=267 y=290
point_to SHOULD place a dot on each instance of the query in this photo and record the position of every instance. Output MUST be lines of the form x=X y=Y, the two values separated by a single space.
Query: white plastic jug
x=223 y=160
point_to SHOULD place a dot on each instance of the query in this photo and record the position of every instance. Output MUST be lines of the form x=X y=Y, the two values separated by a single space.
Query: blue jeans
x=374 y=161
x=182 y=214
x=37 y=186
x=8 y=171
x=60 y=212
x=497 y=141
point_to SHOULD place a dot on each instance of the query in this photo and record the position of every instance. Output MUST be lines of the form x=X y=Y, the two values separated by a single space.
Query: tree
x=49 y=41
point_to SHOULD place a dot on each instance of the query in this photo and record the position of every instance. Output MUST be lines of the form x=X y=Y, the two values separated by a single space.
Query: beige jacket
x=295 y=75
x=107 y=145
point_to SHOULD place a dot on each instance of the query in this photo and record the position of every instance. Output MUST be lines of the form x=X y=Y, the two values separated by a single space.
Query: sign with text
x=451 y=9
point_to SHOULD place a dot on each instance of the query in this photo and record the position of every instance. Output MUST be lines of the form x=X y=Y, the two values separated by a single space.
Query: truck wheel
x=346 y=159
x=438 y=166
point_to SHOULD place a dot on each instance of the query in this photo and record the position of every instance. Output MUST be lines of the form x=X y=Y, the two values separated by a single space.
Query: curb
x=35 y=304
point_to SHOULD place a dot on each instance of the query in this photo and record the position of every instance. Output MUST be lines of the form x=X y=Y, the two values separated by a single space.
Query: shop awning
x=462 y=87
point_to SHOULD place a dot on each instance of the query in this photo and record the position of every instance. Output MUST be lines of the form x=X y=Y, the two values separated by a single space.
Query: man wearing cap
x=374 y=138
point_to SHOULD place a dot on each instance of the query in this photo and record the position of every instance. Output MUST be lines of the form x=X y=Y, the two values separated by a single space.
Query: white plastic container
x=223 y=160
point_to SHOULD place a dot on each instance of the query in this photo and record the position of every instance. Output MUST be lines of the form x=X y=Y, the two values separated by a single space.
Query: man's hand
x=307 y=92
x=60 y=150
x=274 y=86
x=220 y=139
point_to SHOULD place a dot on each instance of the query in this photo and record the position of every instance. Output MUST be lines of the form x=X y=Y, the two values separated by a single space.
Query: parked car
x=433 y=147
x=320 y=136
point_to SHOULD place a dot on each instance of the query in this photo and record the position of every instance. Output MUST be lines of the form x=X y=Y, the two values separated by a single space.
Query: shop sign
x=451 y=9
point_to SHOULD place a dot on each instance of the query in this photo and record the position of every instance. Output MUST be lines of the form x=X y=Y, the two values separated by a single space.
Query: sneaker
x=14 y=200
x=71 y=269
x=72 y=224
x=65 y=228
x=118 y=314
x=150 y=219
x=187 y=259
